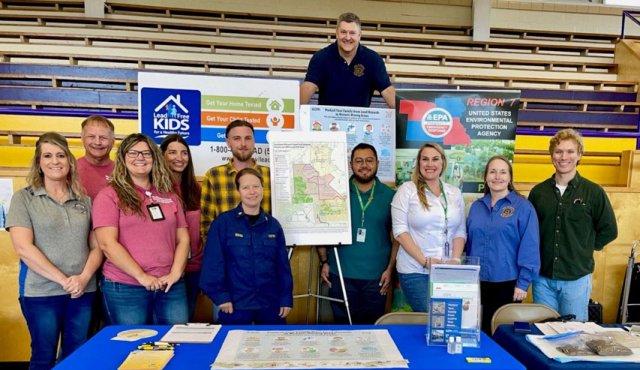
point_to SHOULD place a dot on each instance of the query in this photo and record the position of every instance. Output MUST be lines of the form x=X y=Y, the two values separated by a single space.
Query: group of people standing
x=137 y=220
x=546 y=241
x=160 y=238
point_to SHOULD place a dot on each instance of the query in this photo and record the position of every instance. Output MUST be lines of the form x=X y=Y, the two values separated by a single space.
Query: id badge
x=155 y=212
x=361 y=235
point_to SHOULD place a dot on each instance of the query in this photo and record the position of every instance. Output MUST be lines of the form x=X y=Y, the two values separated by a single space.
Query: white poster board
x=310 y=186
x=201 y=106
x=374 y=126
x=6 y=191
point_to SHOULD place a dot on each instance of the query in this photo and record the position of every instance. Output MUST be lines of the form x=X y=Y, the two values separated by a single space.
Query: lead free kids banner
x=471 y=125
x=199 y=108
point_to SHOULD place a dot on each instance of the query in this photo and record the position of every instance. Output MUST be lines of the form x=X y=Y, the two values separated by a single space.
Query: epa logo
x=437 y=122
x=171 y=111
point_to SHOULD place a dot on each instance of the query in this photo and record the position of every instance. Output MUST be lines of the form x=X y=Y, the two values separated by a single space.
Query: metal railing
x=631 y=15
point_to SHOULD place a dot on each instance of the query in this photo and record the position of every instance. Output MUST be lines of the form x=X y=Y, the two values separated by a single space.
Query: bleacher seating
x=264 y=45
x=56 y=58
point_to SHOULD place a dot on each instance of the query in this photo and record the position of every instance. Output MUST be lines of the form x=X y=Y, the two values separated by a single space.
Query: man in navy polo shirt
x=345 y=72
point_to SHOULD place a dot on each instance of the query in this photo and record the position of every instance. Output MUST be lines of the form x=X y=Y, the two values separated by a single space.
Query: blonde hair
x=566 y=134
x=418 y=179
x=35 y=177
x=122 y=183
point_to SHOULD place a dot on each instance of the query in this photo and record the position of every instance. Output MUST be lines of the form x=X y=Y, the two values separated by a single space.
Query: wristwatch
x=323 y=262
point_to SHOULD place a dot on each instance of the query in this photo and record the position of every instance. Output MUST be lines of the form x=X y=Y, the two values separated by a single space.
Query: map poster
x=471 y=125
x=308 y=349
x=199 y=108
x=374 y=126
x=310 y=186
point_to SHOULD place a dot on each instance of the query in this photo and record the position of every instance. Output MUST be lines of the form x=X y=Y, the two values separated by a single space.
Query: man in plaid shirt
x=218 y=189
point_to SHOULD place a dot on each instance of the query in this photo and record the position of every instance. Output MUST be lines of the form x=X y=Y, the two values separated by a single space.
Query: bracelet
x=426 y=262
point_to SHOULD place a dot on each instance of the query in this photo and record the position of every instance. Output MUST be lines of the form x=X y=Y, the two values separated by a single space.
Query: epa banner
x=471 y=125
x=374 y=126
x=199 y=108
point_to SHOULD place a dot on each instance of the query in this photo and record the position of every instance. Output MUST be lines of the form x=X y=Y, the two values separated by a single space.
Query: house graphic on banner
x=171 y=111
x=170 y=104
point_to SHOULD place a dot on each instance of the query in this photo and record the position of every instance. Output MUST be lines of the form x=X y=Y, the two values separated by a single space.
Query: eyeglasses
x=361 y=161
x=135 y=153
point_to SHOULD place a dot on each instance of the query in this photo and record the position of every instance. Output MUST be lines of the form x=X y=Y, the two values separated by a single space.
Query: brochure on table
x=454 y=303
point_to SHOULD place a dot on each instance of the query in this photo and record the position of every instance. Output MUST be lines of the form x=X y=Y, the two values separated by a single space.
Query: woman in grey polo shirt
x=50 y=223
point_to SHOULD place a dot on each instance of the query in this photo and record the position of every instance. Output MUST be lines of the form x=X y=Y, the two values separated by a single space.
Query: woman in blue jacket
x=502 y=231
x=246 y=270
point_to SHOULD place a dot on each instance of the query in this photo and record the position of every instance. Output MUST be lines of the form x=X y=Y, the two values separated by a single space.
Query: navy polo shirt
x=348 y=85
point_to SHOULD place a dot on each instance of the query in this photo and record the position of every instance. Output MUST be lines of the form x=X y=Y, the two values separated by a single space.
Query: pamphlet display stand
x=454 y=303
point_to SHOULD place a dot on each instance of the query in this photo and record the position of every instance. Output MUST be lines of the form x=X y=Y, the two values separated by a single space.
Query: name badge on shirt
x=361 y=235
x=155 y=212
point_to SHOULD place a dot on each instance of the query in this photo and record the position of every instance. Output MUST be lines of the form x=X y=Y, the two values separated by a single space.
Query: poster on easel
x=454 y=303
x=310 y=186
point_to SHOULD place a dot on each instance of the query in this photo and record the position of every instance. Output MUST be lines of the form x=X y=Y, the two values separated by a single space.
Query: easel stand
x=318 y=297
x=624 y=303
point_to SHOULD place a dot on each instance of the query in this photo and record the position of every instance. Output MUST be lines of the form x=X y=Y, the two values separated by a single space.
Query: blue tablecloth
x=102 y=353
x=534 y=359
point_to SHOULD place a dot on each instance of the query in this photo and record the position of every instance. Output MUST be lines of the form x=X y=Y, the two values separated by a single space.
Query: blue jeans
x=366 y=304
x=49 y=318
x=126 y=304
x=192 y=282
x=565 y=296
x=264 y=316
x=416 y=289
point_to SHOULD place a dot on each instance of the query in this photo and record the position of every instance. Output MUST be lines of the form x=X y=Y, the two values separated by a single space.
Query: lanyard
x=445 y=207
x=364 y=207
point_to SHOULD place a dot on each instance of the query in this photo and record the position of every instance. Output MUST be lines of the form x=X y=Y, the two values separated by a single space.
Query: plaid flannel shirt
x=219 y=193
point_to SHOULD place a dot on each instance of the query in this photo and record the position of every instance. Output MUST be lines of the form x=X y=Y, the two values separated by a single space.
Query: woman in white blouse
x=428 y=222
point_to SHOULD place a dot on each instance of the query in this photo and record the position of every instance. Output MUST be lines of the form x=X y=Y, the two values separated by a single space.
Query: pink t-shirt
x=151 y=244
x=94 y=178
x=193 y=222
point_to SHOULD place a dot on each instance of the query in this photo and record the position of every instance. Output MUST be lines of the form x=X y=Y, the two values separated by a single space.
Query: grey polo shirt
x=60 y=231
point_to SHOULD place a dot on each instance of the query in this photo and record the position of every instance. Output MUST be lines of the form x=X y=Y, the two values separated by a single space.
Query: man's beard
x=242 y=156
x=367 y=179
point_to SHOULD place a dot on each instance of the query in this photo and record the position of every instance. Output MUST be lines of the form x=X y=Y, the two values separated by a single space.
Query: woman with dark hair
x=50 y=227
x=246 y=270
x=503 y=233
x=177 y=155
x=428 y=222
x=141 y=228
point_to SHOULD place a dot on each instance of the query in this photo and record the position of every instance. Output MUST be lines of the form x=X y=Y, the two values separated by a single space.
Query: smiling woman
x=49 y=223
x=503 y=231
x=248 y=242
x=428 y=222
x=140 y=225
x=177 y=155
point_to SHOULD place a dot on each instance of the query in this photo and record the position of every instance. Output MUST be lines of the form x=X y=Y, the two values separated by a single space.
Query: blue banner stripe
x=216 y=134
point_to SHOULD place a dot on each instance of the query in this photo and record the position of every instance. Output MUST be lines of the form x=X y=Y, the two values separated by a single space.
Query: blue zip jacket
x=506 y=238
x=247 y=265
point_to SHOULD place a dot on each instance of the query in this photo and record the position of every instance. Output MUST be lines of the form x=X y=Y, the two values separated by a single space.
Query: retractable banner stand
x=471 y=125
x=199 y=108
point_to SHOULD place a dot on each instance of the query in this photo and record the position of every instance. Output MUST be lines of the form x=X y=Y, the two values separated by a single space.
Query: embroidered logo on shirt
x=271 y=236
x=238 y=235
x=358 y=70
x=507 y=211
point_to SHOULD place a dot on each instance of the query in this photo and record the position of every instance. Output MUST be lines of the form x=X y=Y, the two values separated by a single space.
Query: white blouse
x=426 y=227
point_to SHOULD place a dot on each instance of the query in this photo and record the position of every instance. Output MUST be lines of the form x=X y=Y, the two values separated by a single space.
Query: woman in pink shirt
x=141 y=228
x=177 y=155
